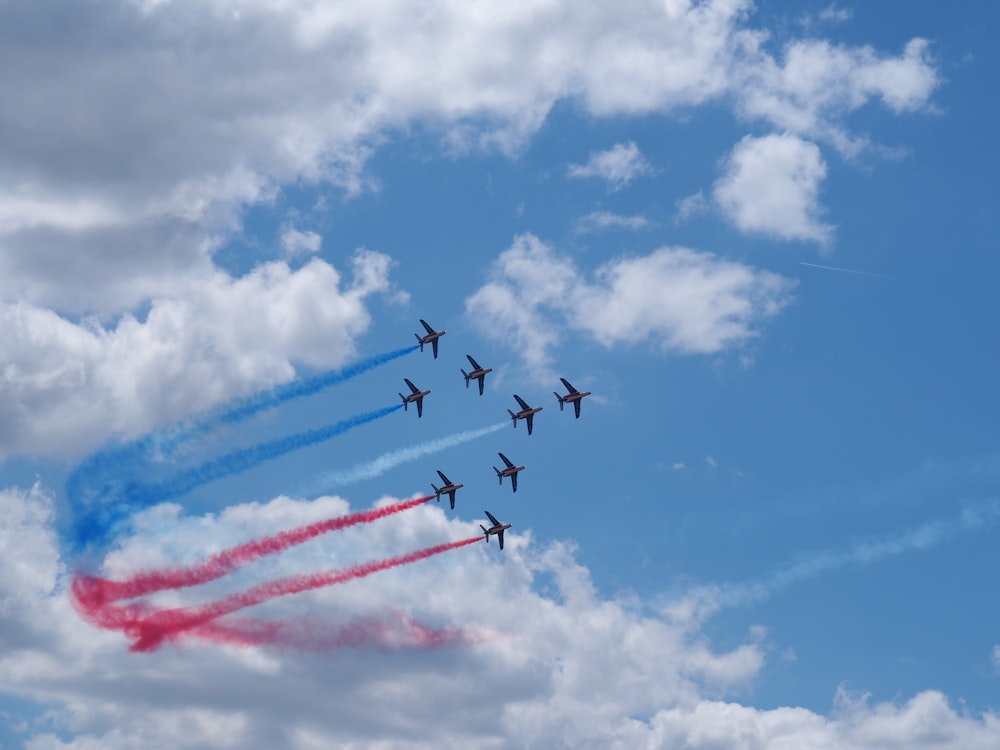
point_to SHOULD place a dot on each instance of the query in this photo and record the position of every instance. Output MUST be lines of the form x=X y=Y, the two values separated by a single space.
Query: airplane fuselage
x=414 y=397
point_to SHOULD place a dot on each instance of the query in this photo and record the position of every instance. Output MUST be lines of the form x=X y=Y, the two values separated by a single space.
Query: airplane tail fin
x=486 y=533
x=406 y=403
x=562 y=401
x=499 y=475
x=436 y=491
x=466 y=378
x=419 y=341
x=513 y=416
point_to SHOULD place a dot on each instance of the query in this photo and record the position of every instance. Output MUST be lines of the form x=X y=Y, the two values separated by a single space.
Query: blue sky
x=757 y=232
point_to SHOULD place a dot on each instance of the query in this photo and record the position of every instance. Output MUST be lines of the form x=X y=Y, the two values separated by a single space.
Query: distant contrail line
x=848 y=270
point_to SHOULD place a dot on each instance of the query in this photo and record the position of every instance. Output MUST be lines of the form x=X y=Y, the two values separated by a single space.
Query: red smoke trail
x=392 y=631
x=94 y=591
x=149 y=627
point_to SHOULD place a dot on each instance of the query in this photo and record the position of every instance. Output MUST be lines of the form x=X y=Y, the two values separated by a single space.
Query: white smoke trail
x=703 y=600
x=387 y=461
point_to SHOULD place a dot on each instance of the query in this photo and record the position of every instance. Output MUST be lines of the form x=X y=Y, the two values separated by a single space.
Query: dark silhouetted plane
x=448 y=489
x=478 y=373
x=497 y=528
x=431 y=337
x=526 y=413
x=416 y=396
x=509 y=471
x=573 y=397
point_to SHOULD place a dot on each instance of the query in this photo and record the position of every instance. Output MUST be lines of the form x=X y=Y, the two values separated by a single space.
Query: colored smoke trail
x=150 y=628
x=94 y=526
x=390 y=632
x=84 y=485
x=281 y=394
x=387 y=461
x=98 y=591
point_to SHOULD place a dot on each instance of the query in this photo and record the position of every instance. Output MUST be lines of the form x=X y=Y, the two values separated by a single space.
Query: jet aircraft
x=509 y=471
x=478 y=373
x=574 y=397
x=416 y=396
x=431 y=337
x=526 y=413
x=448 y=489
x=497 y=528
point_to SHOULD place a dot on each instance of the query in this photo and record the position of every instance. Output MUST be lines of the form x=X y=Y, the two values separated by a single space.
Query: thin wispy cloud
x=617 y=166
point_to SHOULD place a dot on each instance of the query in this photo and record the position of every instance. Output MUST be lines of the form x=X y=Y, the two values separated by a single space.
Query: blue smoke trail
x=133 y=496
x=387 y=461
x=101 y=473
x=247 y=407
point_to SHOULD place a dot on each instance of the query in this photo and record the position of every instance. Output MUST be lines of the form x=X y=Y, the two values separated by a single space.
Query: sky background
x=757 y=232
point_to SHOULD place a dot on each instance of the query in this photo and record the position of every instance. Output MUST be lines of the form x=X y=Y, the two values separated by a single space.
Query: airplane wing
x=500 y=538
x=424 y=324
x=420 y=408
x=473 y=362
x=482 y=382
x=434 y=347
x=413 y=388
x=531 y=418
x=569 y=388
x=513 y=482
x=521 y=402
x=576 y=408
x=451 y=496
x=505 y=460
x=443 y=477
x=493 y=520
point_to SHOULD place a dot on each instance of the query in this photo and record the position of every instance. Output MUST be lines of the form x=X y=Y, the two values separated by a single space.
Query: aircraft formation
x=525 y=412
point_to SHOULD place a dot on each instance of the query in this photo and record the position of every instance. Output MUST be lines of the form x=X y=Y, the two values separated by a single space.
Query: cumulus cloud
x=771 y=186
x=541 y=662
x=817 y=84
x=66 y=385
x=617 y=166
x=676 y=298
x=137 y=132
x=571 y=668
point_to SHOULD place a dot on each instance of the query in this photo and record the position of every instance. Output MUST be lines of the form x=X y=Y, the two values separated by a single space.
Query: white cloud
x=834 y=14
x=67 y=386
x=817 y=84
x=679 y=299
x=137 y=132
x=572 y=669
x=771 y=186
x=576 y=658
x=692 y=205
x=617 y=166
x=710 y=460
x=598 y=221
x=295 y=242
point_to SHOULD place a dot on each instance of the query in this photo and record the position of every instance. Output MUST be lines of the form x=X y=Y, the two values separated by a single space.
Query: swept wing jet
x=416 y=396
x=508 y=471
x=574 y=397
x=526 y=413
x=448 y=489
x=431 y=337
x=478 y=373
x=497 y=528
